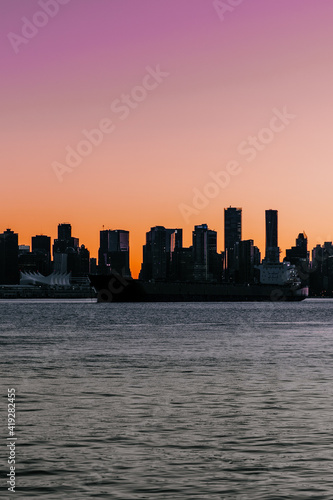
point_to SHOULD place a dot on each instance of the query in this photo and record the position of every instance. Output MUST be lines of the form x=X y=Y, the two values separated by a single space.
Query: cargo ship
x=115 y=288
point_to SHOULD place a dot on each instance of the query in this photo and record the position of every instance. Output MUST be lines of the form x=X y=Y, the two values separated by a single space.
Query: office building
x=207 y=262
x=247 y=258
x=158 y=253
x=113 y=254
x=9 y=267
x=232 y=235
x=66 y=251
x=272 y=254
x=232 y=227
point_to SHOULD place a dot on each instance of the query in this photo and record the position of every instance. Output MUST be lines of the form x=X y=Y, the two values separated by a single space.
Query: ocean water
x=169 y=401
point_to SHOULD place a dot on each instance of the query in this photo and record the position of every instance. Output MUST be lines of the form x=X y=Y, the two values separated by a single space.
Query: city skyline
x=137 y=239
x=166 y=248
x=207 y=110
x=65 y=233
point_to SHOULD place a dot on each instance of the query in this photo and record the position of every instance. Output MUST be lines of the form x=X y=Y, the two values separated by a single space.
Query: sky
x=125 y=115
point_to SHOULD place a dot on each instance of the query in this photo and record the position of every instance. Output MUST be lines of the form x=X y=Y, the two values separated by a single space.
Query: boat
x=115 y=288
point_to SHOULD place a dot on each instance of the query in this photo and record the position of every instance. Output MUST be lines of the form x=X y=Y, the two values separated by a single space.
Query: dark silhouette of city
x=165 y=259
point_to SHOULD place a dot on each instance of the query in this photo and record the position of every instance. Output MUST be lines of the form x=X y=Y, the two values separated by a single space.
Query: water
x=169 y=401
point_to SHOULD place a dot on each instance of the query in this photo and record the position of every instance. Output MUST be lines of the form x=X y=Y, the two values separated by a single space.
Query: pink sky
x=225 y=78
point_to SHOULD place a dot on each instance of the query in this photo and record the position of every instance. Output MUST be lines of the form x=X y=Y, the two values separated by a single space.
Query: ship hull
x=111 y=288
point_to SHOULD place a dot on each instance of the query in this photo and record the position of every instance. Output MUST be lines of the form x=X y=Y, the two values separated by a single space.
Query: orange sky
x=221 y=81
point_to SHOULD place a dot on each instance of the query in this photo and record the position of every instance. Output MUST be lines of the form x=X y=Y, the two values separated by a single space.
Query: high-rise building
x=232 y=227
x=84 y=259
x=299 y=257
x=66 y=251
x=272 y=253
x=207 y=262
x=65 y=240
x=321 y=275
x=247 y=257
x=302 y=242
x=64 y=231
x=93 y=265
x=232 y=235
x=42 y=243
x=41 y=250
x=9 y=268
x=113 y=254
x=161 y=245
x=298 y=252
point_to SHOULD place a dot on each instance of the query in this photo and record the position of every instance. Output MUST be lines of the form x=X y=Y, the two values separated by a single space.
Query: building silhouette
x=84 y=261
x=299 y=257
x=159 y=253
x=182 y=264
x=93 y=265
x=65 y=239
x=247 y=257
x=321 y=272
x=66 y=251
x=272 y=254
x=42 y=243
x=207 y=262
x=113 y=253
x=9 y=267
x=299 y=252
x=41 y=248
x=64 y=232
x=232 y=227
x=232 y=235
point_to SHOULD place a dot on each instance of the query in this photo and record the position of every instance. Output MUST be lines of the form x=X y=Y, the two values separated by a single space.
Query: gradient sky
x=225 y=78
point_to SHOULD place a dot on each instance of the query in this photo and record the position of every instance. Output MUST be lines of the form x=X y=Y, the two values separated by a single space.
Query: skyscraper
x=41 y=250
x=302 y=241
x=113 y=253
x=65 y=240
x=9 y=268
x=65 y=250
x=272 y=250
x=64 y=231
x=232 y=227
x=161 y=243
x=206 y=259
x=247 y=256
x=232 y=235
x=42 y=243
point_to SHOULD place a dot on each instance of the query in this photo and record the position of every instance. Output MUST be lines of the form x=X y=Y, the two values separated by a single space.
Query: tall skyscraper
x=66 y=251
x=9 y=268
x=113 y=254
x=206 y=259
x=65 y=240
x=161 y=243
x=64 y=231
x=271 y=228
x=247 y=256
x=272 y=254
x=302 y=242
x=232 y=236
x=232 y=227
x=42 y=243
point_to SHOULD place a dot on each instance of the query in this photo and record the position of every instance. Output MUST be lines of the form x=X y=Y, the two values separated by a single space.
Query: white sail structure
x=53 y=279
